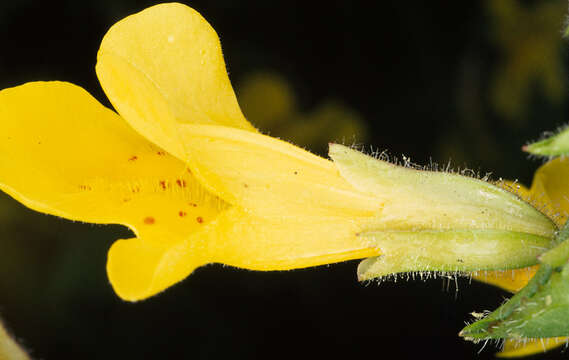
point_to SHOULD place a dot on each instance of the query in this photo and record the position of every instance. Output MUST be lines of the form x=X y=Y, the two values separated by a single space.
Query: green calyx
x=450 y=251
x=437 y=221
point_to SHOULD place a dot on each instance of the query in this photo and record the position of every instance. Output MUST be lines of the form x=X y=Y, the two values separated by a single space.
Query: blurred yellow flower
x=549 y=190
x=197 y=183
x=269 y=102
x=9 y=349
x=531 y=52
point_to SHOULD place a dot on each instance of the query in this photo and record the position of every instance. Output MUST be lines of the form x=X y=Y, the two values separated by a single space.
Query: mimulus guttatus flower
x=198 y=184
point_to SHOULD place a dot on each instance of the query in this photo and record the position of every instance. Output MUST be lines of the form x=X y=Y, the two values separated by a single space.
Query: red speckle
x=199 y=219
x=194 y=204
x=181 y=183
x=136 y=189
x=133 y=158
x=161 y=153
x=126 y=200
x=149 y=220
x=85 y=187
x=182 y=213
x=163 y=185
x=189 y=171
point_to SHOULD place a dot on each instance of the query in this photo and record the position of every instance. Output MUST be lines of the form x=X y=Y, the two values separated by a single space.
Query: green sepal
x=450 y=251
x=554 y=145
x=540 y=309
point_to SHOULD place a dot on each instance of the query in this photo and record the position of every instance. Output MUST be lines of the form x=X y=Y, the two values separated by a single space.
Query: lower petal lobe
x=64 y=154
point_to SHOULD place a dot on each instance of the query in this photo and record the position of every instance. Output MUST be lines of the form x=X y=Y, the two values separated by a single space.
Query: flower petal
x=240 y=238
x=64 y=154
x=550 y=186
x=510 y=280
x=526 y=347
x=269 y=176
x=138 y=269
x=163 y=66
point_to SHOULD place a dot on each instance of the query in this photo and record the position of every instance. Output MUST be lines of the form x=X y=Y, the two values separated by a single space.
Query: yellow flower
x=531 y=54
x=549 y=190
x=269 y=102
x=197 y=183
x=9 y=349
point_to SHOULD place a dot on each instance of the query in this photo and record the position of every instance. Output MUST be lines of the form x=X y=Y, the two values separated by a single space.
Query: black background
x=401 y=65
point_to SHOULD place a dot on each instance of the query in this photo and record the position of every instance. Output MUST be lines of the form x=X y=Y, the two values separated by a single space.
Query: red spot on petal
x=181 y=183
x=182 y=213
x=189 y=171
x=133 y=158
x=194 y=204
x=163 y=184
x=126 y=200
x=161 y=153
x=149 y=220
x=199 y=219
x=136 y=189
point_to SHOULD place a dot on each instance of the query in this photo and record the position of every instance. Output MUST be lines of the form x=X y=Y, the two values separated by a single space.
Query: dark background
x=440 y=80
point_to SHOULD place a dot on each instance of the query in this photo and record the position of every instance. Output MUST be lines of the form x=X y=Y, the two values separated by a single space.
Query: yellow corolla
x=198 y=184
x=549 y=190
